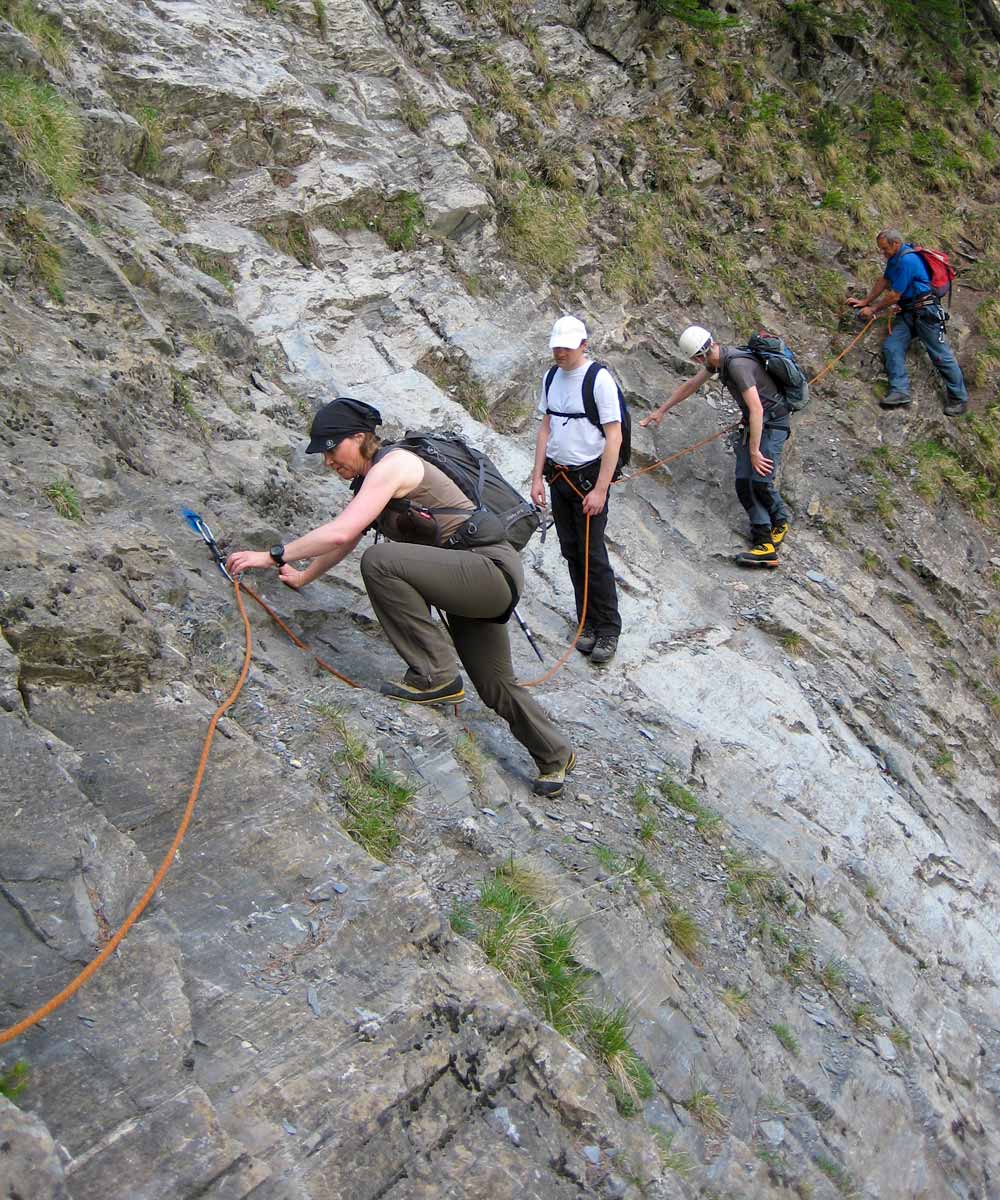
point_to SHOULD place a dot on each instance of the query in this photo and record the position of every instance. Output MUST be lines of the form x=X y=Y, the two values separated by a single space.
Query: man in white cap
x=577 y=451
x=764 y=431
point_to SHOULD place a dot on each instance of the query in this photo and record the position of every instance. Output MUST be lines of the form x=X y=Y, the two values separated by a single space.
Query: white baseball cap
x=567 y=333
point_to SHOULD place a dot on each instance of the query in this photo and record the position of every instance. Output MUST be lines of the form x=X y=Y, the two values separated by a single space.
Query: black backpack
x=590 y=409
x=781 y=367
x=501 y=513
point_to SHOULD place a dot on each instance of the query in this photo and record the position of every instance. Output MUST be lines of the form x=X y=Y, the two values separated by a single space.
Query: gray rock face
x=30 y=1164
x=781 y=859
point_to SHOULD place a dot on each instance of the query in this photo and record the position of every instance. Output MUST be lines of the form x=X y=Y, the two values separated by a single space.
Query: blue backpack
x=590 y=409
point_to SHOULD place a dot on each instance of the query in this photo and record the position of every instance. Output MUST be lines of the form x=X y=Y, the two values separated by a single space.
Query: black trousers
x=571 y=528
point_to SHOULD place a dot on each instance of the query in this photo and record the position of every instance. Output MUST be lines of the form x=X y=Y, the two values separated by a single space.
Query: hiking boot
x=587 y=639
x=604 y=648
x=778 y=533
x=894 y=399
x=955 y=407
x=444 y=693
x=551 y=783
x=763 y=554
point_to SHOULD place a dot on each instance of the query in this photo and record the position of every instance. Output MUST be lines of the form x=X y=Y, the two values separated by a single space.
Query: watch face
x=277 y=553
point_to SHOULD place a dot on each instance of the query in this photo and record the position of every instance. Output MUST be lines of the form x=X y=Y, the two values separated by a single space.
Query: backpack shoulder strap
x=590 y=400
x=550 y=374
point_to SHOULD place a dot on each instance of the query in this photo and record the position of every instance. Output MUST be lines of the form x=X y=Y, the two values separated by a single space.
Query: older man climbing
x=906 y=282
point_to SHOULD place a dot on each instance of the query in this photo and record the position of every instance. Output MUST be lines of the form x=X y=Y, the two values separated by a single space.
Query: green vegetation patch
x=787 y=1038
x=543 y=229
x=375 y=797
x=969 y=466
x=13 y=1080
x=696 y=13
x=412 y=113
x=398 y=219
x=538 y=954
x=43 y=33
x=289 y=237
x=43 y=258
x=150 y=150
x=216 y=266
x=47 y=131
x=64 y=499
x=707 y=822
x=450 y=371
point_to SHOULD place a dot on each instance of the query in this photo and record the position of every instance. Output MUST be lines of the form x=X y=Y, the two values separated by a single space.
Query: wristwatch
x=278 y=554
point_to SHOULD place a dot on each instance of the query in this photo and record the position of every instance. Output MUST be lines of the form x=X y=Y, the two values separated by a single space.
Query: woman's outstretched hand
x=248 y=560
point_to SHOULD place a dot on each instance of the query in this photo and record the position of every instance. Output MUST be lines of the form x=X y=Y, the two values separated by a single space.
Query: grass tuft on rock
x=707 y=823
x=47 y=131
x=150 y=150
x=43 y=33
x=13 y=1080
x=539 y=956
x=543 y=229
x=608 y=1034
x=64 y=499
x=43 y=258
x=374 y=800
x=374 y=795
x=788 y=1039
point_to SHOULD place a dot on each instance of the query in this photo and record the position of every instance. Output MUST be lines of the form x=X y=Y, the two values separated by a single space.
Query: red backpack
x=942 y=273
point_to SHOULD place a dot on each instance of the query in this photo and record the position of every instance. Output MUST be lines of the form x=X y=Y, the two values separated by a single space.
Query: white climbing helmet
x=694 y=340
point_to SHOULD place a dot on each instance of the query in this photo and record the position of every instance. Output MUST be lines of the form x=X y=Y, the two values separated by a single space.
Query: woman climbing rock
x=417 y=508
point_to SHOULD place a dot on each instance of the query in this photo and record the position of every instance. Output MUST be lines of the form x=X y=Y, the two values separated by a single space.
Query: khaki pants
x=403 y=580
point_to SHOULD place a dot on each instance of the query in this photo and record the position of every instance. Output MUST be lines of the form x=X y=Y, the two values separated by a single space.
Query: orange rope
x=662 y=462
x=297 y=640
x=8 y=1035
x=850 y=346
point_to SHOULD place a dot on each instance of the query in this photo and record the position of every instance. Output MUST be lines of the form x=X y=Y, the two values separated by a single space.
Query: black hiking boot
x=445 y=693
x=550 y=784
x=604 y=648
x=588 y=637
x=954 y=407
x=894 y=399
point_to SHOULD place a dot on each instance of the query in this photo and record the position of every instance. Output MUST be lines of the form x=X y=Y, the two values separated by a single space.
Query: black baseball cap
x=339 y=419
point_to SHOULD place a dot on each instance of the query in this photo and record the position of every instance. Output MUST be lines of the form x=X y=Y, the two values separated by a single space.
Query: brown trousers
x=404 y=580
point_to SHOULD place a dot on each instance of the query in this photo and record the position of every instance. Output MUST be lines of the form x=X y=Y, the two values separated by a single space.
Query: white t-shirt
x=574 y=441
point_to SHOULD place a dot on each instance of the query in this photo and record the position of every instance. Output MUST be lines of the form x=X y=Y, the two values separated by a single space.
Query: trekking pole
x=528 y=634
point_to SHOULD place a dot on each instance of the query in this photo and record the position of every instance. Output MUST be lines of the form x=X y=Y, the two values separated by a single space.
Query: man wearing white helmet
x=758 y=451
x=582 y=447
